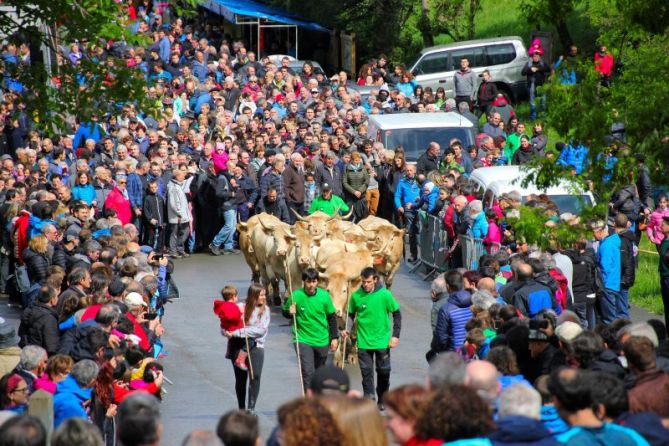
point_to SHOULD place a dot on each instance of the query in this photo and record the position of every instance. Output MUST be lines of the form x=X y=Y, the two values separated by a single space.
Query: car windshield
x=569 y=203
x=415 y=141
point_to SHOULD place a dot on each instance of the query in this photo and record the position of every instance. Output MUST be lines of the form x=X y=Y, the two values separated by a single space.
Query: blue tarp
x=228 y=8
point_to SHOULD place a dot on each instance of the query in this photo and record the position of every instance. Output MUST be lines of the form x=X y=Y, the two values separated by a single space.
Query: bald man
x=482 y=376
x=531 y=296
x=488 y=285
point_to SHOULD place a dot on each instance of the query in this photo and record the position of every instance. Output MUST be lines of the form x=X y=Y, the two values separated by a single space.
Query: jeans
x=609 y=305
x=178 y=236
x=311 y=358
x=533 y=96
x=367 y=360
x=624 y=303
x=225 y=236
x=412 y=222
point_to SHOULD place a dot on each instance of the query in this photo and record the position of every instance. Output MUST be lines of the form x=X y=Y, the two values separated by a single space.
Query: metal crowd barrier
x=434 y=247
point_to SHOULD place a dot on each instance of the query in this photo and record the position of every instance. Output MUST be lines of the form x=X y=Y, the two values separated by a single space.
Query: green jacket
x=334 y=204
x=664 y=258
x=356 y=178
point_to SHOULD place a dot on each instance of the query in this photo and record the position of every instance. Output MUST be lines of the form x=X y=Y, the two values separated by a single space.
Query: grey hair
x=640 y=329
x=449 y=104
x=463 y=107
x=439 y=285
x=46 y=228
x=31 y=357
x=295 y=156
x=520 y=400
x=84 y=372
x=201 y=438
x=446 y=369
x=548 y=260
x=476 y=206
x=482 y=299
x=331 y=155
x=77 y=431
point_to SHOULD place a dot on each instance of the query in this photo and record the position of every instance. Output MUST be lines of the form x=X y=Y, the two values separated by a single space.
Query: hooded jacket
x=608 y=260
x=407 y=191
x=532 y=297
x=177 y=203
x=68 y=401
x=229 y=315
x=654 y=229
x=39 y=326
x=517 y=430
x=453 y=316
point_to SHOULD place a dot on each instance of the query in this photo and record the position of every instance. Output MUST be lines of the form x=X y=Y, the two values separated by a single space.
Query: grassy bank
x=646 y=290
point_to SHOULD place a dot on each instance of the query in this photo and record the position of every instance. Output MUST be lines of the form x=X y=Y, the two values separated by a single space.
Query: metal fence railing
x=435 y=246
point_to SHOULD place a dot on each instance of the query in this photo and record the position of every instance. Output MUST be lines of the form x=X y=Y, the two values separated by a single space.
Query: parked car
x=498 y=180
x=504 y=57
x=414 y=131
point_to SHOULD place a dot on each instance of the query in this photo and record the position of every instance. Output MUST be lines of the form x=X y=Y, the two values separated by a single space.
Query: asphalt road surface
x=203 y=382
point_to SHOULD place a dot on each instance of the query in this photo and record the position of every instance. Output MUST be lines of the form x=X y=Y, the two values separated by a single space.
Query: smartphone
x=158 y=257
x=150 y=316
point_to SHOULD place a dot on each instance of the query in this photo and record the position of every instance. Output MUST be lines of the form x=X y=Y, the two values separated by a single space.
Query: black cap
x=326 y=186
x=330 y=379
x=270 y=152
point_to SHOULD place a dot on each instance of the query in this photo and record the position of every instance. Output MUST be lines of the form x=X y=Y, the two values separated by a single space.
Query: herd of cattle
x=278 y=252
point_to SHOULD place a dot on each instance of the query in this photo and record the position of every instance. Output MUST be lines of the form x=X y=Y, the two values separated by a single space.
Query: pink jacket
x=44 y=382
x=654 y=229
x=494 y=233
x=117 y=201
x=220 y=161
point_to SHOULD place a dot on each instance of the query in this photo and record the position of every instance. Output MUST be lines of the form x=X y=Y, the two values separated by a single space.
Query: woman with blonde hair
x=37 y=258
x=358 y=419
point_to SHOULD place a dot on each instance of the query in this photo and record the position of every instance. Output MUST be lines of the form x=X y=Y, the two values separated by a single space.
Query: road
x=203 y=383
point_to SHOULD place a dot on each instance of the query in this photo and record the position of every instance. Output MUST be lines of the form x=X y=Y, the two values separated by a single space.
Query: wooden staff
x=343 y=350
x=297 y=336
x=248 y=350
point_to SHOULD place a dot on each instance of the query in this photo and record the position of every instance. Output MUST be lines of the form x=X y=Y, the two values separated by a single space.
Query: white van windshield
x=415 y=141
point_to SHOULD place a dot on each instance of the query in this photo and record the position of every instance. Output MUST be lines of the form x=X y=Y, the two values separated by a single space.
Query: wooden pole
x=297 y=336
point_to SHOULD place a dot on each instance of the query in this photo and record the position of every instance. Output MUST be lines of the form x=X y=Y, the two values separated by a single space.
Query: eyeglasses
x=23 y=390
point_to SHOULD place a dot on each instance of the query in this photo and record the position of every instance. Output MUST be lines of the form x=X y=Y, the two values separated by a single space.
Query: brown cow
x=387 y=242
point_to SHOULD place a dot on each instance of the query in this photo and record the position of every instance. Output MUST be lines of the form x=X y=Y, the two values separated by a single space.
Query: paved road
x=203 y=379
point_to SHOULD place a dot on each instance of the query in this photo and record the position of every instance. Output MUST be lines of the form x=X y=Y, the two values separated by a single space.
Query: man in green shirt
x=316 y=324
x=664 y=268
x=370 y=306
x=328 y=202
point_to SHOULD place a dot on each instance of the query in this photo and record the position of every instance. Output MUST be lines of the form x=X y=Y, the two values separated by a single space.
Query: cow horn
x=299 y=217
x=291 y=236
x=318 y=237
x=378 y=252
x=347 y=216
x=242 y=224
x=324 y=276
x=263 y=224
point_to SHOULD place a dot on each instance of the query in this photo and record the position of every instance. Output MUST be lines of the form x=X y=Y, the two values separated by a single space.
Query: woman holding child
x=246 y=345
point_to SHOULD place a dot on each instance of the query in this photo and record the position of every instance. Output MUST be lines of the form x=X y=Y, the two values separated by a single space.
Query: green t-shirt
x=312 y=312
x=334 y=204
x=371 y=311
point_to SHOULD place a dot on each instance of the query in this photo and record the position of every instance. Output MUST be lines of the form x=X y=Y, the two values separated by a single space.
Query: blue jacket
x=135 y=190
x=451 y=321
x=430 y=199
x=608 y=259
x=165 y=48
x=89 y=130
x=479 y=227
x=575 y=157
x=607 y=434
x=552 y=421
x=517 y=431
x=85 y=193
x=68 y=401
x=408 y=191
x=406 y=88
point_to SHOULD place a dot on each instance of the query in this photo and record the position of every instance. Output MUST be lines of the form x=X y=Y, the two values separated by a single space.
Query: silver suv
x=504 y=57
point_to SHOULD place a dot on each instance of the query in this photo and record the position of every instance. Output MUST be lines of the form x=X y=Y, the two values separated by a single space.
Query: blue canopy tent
x=248 y=12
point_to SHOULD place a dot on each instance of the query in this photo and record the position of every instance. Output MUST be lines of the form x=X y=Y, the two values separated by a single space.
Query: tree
x=550 y=12
x=52 y=92
x=455 y=18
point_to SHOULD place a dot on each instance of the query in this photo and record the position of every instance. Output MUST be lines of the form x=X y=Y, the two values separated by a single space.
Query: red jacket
x=229 y=314
x=604 y=64
x=21 y=235
x=138 y=331
x=117 y=201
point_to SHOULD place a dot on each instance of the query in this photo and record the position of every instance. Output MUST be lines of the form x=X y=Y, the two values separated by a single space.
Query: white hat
x=134 y=300
x=567 y=331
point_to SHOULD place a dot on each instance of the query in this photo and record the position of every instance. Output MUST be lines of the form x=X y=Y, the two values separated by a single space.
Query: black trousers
x=367 y=359
x=311 y=358
x=664 y=286
x=256 y=359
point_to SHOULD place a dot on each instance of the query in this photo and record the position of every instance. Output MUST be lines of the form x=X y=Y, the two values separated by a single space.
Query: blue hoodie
x=515 y=430
x=451 y=321
x=68 y=401
x=608 y=259
x=408 y=191
x=552 y=421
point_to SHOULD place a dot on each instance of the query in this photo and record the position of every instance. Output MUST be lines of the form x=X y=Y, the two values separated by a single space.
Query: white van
x=497 y=180
x=504 y=57
x=414 y=131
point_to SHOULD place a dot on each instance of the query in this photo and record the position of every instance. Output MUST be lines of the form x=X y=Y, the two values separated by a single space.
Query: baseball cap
x=330 y=379
x=134 y=300
x=314 y=90
x=537 y=335
x=326 y=186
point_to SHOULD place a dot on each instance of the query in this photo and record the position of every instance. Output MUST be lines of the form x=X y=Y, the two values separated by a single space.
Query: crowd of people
x=93 y=217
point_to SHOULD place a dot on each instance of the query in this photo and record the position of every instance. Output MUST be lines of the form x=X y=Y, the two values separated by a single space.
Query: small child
x=474 y=345
x=310 y=191
x=230 y=316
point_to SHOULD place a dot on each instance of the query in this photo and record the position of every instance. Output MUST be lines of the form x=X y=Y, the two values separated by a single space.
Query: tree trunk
x=424 y=24
x=471 y=28
x=565 y=37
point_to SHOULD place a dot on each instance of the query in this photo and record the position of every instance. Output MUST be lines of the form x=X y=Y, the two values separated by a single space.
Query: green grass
x=646 y=290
